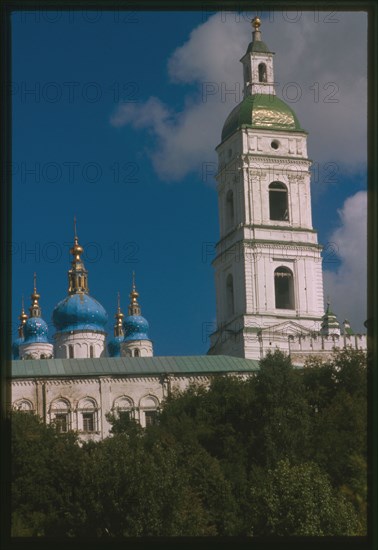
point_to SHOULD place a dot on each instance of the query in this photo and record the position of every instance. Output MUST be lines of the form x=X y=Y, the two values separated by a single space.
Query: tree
x=280 y=453
x=45 y=475
x=298 y=500
x=139 y=486
x=337 y=391
x=281 y=412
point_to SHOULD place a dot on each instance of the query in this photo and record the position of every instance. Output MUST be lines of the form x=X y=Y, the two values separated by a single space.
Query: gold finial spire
x=256 y=23
x=76 y=250
x=134 y=293
x=23 y=318
x=77 y=275
x=133 y=280
x=134 y=308
x=35 y=296
x=35 y=310
x=118 y=327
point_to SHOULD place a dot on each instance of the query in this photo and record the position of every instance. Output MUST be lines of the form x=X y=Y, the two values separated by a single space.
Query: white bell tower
x=268 y=267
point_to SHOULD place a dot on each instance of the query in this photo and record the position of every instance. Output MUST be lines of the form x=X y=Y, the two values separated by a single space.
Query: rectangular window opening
x=61 y=421
x=151 y=418
x=88 y=422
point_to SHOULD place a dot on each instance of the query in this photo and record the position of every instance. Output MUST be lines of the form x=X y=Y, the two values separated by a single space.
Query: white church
x=268 y=275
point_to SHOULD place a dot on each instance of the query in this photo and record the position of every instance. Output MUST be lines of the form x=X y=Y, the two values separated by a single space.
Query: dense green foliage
x=280 y=453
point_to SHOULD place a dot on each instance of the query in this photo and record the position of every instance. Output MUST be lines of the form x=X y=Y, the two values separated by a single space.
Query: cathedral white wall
x=36 y=350
x=142 y=347
x=101 y=395
x=144 y=394
x=81 y=342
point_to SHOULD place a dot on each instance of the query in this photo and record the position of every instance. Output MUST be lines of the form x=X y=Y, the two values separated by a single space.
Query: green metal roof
x=262 y=111
x=123 y=366
x=329 y=319
x=258 y=46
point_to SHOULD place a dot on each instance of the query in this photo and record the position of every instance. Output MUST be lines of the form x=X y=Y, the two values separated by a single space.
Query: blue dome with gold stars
x=35 y=330
x=79 y=312
x=136 y=327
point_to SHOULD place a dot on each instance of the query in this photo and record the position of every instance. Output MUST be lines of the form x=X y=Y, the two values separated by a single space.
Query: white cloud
x=323 y=61
x=346 y=287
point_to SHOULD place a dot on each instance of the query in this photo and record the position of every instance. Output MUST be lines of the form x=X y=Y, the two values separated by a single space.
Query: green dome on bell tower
x=261 y=111
x=260 y=108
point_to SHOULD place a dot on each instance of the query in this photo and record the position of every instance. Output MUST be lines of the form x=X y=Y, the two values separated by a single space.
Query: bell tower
x=268 y=269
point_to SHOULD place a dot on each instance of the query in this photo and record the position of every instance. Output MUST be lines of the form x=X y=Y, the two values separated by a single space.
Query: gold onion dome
x=76 y=250
x=118 y=327
x=119 y=314
x=256 y=23
x=134 y=293
x=35 y=310
x=23 y=316
x=114 y=345
x=16 y=344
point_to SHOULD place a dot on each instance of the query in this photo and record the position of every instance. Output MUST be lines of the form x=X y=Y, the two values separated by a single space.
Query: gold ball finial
x=23 y=317
x=35 y=296
x=76 y=250
x=134 y=293
x=256 y=23
x=119 y=314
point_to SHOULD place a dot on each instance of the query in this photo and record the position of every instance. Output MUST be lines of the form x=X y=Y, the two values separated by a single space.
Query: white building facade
x=268 y=265
x=268 y=277
x=77 y=394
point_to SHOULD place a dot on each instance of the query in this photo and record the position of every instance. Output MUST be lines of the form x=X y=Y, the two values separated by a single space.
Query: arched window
x=284 y=288
x=148 y=406
x=262 y=72
x=91 y=351
x=89 y=415
x=278 y=205
x=123 y=407
x=136 y=353
x=230 y=295
x=23 y=405
x=70 y=351
x=60 y=415
x=230 y=218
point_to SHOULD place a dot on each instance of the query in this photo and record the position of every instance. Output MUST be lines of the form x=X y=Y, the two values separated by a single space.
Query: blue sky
x=113 y=123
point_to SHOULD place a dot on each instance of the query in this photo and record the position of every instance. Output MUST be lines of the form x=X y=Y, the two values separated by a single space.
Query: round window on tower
x=275 y=144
